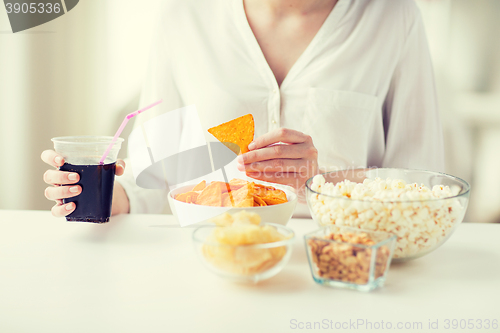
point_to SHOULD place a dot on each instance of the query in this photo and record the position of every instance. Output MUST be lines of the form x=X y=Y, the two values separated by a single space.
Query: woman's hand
x=283 y=156
x=62 y=188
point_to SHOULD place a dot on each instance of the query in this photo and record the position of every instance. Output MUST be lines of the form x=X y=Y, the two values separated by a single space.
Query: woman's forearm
x=121 y=203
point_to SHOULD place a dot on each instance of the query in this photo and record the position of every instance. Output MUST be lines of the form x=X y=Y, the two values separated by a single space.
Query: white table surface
x=140 y=273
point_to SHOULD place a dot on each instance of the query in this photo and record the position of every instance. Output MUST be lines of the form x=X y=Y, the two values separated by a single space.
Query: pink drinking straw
x=122 y=126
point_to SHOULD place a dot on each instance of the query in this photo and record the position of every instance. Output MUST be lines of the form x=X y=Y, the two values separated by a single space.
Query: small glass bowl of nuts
x=349 y=257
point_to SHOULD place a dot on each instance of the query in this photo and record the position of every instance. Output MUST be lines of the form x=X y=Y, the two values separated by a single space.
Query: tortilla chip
x=225 y=187
x=248 y=202
x=260 y=191
x=239 y=131
x=211 y=195
x=200 y=186
x=236 y=184
x=188 y=197
x=236 y=193
x=192 y=196
x=181 y=197
x=244 y=196
x=226 y=200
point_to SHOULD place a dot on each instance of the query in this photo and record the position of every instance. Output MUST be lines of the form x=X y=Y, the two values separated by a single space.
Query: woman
x=343 y=83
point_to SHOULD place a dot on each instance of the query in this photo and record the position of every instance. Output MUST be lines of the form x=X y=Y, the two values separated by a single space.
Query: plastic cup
x=81 y=155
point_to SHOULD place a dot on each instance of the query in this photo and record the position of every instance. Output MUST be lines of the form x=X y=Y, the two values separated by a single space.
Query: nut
x=347 y=261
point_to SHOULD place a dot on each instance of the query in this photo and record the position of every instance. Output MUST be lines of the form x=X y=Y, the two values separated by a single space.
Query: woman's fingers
x=290 y=163
x=280 y=135
x=277 y=165
x=52 y=158
x=62 y=192
x=60 y=210
x=120 y=167
x=56 y=177
x=274 y=152
x=288 y=178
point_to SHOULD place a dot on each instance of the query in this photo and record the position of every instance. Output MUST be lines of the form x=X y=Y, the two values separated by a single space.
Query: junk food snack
x=235 y=134
x=229 y=247
x=410 y=211
x=345 y=261
x=236 y=193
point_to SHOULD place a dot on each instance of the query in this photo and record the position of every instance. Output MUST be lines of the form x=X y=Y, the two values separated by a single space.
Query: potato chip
x=259 y=201
x=211 y=195
x=266 y=192
x=239 y=131
x=244 y=217
x=243 y=228
x=239 y=218
x=223 y=220
x=279 y=194
x=273 y=201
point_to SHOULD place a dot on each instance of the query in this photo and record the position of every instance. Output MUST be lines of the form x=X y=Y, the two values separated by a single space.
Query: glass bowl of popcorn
x=422 y=208
x=239 y=247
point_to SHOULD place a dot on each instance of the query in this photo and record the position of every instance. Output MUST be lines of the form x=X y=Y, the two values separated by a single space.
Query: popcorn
x=410 y=211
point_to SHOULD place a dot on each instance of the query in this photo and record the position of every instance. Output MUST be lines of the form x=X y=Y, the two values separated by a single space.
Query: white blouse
x=363 y=89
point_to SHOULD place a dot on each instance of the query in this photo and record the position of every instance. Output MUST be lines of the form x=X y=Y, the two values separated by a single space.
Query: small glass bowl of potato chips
x=241 y=248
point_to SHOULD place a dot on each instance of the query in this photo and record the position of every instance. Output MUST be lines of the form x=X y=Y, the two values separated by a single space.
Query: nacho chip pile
x=236 y=193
